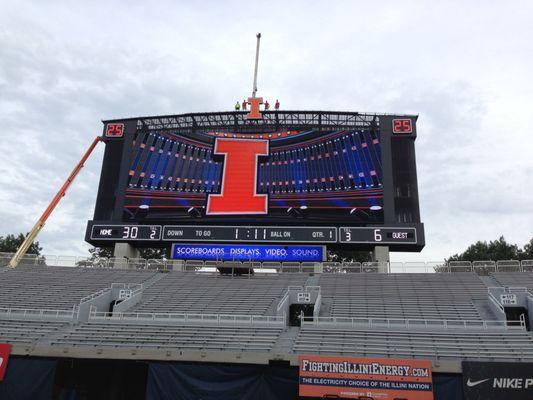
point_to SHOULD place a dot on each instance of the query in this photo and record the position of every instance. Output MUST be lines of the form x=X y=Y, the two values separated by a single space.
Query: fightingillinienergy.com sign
x=378 y=378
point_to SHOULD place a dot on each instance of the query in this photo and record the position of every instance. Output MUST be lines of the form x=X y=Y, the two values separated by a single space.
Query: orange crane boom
x=40 y=223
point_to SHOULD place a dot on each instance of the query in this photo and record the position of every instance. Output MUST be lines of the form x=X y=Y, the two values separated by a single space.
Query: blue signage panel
x=246 y=252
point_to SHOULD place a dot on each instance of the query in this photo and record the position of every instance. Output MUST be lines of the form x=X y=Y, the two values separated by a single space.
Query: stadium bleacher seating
x=215 y=294
x=455 y=297
x=27 y=332
x=523 y=279
x=428 y=296
x=170 y=337
x=434 y=345
x=59 y=287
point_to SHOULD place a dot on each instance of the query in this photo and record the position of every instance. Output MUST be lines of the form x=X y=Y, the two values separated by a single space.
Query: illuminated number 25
x=402 y=126
x=114 y=130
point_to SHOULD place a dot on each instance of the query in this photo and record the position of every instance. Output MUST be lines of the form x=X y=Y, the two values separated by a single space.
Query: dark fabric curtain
x=28 y=378
x=448 y=386
x=33 y=378
x=187 y=381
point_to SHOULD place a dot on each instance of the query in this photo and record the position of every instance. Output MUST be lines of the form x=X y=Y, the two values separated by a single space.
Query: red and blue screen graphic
x=297 y=177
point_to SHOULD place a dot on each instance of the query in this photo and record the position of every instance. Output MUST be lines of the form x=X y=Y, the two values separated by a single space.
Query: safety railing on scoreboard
x=411 y=323
x=479 y=267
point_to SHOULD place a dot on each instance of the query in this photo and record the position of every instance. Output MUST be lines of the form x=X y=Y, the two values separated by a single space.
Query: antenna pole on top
x=254 y=89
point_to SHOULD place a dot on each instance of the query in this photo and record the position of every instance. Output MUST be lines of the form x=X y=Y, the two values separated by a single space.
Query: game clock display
x=273 y=234
x=114 y=130
x=402 y=126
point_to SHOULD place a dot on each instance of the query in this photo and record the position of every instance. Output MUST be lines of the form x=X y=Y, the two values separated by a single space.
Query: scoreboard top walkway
x=271 y=121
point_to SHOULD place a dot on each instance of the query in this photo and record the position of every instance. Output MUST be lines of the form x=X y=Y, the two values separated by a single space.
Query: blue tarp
x=448 y=386
x=189 y=381
x=28 y=379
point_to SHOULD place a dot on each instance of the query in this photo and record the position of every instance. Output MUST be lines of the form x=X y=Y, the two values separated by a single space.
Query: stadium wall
x=43 y=379
x=188 y=381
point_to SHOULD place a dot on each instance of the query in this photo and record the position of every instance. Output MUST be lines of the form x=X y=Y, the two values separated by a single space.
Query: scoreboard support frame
x=125 y=250
x=386 y=151
x=381 y=255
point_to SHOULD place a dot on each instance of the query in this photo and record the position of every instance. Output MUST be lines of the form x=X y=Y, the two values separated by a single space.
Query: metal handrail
x=508 y=289
x=36 y=312
x=94 y=295
x=517 y=289
x=340 y=267
x=413 y=323
x=496 y=302
x=282 y=300
x=235 y=319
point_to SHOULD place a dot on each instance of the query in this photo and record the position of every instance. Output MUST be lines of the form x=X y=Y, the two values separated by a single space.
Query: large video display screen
x=290 y=177
x=297 y=176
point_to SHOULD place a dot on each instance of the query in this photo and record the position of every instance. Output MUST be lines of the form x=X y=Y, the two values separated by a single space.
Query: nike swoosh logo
x=469 y=383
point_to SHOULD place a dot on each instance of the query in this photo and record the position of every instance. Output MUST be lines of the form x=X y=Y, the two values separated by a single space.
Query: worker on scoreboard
x=267 y=105
x=276 y=106
x=237 y=106
x=244 y=105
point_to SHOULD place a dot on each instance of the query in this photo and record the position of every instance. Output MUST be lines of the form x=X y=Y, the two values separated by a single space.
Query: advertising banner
x=246 y=252
x=497 y=380
x=376 y=378
x=5 y=350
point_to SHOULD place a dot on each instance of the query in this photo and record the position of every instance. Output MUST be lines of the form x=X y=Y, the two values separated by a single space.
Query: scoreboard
x=188 y=233
x=152 y=235
x=250 y=234
x=381 y=235
x=339 y=179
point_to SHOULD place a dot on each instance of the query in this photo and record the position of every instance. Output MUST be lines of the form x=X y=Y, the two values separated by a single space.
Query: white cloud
x=465 y=67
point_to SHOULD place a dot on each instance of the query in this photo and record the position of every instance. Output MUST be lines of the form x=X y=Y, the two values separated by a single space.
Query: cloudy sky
x=465 y=67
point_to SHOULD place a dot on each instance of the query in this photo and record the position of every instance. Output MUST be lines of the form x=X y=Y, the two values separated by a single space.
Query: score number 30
x=132 y=232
